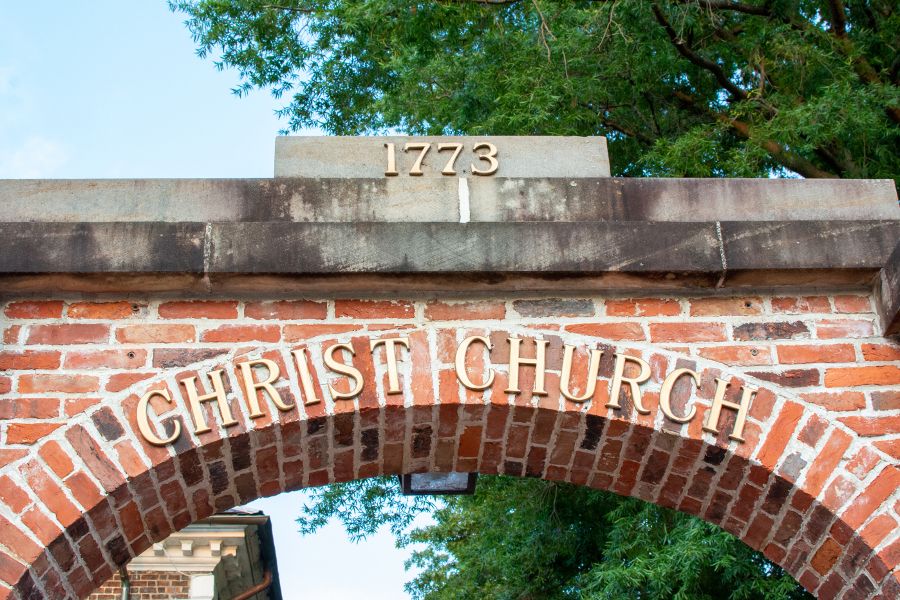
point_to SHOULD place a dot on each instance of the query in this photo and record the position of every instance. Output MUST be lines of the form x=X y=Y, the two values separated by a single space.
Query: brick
x=48 y=309
x=812 y=431
x=610 y=331
x=29 y=433
x=687 y=332
x=881 y=352
x=789 y=377
x=873 y=426
x=828 y=329
x=826 y=556
x=738 y=355
x=242 y=333
x=825 y=463
x=69 y=384
x=859 y=376
x=155 y=334
x=878 y=529
x=5 y=385
x=15 y=497
x=717 y=307
x=373 y=309
x=891 y=448
x=457 y=311
x=30 y=359
x=886 y=400
x=852 y=304
x=643 y=307
x=555 y=307
x=885 y=484
x=102 y=310
x=841 y=401
x=68 y=333
x=816 y=353
x=56 y=458
x=805 y=304
x=301 y=333
x=11 y=335
x=286 y=310
x=775 y=330
x=120 y=381
x=29 y=408
x=780 y=434
x=106 y=359
x=199 y=309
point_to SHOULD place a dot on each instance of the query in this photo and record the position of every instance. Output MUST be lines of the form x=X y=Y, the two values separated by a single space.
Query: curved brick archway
x=814 y=486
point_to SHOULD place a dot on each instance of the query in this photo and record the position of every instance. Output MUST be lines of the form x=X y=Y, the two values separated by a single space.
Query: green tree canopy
x=523 y=539
x=681 y=88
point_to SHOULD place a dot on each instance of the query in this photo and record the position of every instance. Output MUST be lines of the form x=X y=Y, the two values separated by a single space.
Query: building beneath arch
x=173 y=349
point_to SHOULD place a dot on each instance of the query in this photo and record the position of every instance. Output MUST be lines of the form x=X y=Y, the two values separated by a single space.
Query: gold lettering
x=665 y=395
x=450 y=168
x=143 y=419
x=424 y=147
x=539 y=363
x=712 y=419
x=218 y=394
x=592 y=373
x=252 y=386
x=491 y=157
x=389 y=345
x=619 y=378
x=461 y=373
x=391 y=159
x=306 y=382
x=349 y=371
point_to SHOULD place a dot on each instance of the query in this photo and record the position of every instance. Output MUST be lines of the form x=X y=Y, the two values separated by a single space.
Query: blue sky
x=113 y=89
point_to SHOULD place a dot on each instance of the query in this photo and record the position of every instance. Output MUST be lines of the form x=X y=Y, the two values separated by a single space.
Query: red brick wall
x=815 y=486
x=147 y=585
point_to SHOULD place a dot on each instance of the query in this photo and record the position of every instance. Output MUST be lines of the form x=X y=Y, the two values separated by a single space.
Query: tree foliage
x=522 y=539
x=681 y=87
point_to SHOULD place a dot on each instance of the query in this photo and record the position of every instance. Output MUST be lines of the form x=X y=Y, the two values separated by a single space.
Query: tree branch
x=703 y=63
x=838 y=19
x=786 y=158
x=747 y=9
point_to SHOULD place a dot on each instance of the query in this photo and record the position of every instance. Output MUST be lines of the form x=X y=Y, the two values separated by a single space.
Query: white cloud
x=37 y=157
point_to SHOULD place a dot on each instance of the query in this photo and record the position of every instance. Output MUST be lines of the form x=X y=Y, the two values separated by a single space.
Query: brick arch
x=92 y=493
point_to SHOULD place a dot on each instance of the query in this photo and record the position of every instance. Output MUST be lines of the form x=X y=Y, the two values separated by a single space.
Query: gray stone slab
x=808 y=244
x=453 y=248
x=887 y=293
x=437 y=200
x=101 y=247
x=366 y=157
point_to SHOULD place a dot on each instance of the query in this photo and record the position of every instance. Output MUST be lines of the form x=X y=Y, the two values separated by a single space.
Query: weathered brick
x=199 y=309
x=852 y=304
x=30 y=359
x=859 y=376
x=789 y=377
x=242 y=333
x=775 y=330
x=716 y=307
x=69 y=384
x=34 y=309
x=287 y=310
x=155 y=334
x=643 y=307
x=102 y=310
x=610 y=331
x=56 y=458
x=555 y=307
x=873 y=426
x=828 y=329
x=805 y=304
x=29 y=433
x=687 y=331
x=374 y=309
x=738 y=355
x=106 y=359
x=68 y=333
x=436 y=310
x=881 y=352
x=815 y=353
x=841 y=401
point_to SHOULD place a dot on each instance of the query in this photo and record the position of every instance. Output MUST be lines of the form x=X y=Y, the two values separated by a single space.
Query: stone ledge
x=436 y=200
x=551 y=249
x=887 y=292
